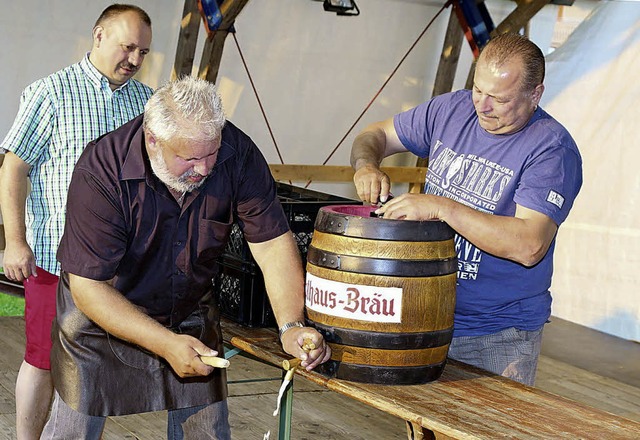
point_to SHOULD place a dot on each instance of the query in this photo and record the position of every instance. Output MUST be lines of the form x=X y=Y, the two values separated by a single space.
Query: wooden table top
x=464 y=403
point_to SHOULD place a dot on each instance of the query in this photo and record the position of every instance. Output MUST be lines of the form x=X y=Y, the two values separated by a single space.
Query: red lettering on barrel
x=382 y=307
x=369 y=306
x=352 y=297
x=315 y=296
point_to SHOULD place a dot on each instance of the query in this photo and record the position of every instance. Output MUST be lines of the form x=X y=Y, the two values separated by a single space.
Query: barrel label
x=353 y=301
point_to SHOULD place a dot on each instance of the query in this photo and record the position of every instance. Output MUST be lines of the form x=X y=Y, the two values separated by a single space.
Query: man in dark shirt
x=150 y=206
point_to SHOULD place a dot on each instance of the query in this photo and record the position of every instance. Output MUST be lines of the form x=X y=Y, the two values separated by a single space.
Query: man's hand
x=293 y=341
x=524 y=238
x=372 y=184
x=414 y=207
x=183 y=354
x=370 y=147
x=19 y=262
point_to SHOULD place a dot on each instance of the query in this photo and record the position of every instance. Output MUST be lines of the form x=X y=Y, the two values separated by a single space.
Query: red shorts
x=39 y=312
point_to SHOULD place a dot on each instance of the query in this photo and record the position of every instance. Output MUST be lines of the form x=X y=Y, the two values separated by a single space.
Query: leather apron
x=98 y=374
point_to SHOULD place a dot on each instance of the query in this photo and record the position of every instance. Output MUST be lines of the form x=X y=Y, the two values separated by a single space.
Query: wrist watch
x=288 y=326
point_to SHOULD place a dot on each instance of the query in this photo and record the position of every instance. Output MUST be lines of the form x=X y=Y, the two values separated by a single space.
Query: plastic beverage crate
x=239 y=284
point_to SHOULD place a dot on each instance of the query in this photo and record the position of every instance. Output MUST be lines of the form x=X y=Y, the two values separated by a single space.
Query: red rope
x=264 y=115
x=255 y=91
x=446 y=5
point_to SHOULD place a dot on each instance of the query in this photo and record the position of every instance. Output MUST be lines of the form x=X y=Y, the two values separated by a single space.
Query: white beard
x=176 y=183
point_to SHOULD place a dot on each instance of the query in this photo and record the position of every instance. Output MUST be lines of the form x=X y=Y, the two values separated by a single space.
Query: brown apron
x=98 y=374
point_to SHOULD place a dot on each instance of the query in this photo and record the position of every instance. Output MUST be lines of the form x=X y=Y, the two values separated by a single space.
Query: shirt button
x=178 y=243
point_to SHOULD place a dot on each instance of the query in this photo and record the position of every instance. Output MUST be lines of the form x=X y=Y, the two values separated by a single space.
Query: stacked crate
x=240 y=285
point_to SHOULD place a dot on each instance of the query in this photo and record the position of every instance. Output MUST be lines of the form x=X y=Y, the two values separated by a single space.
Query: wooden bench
x=464 y=403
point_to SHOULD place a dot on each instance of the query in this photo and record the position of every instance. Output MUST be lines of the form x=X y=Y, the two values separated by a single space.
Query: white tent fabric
x=315 y=73
x=591 y=88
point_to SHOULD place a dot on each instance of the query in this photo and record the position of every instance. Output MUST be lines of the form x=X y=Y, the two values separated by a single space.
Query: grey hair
x=186 y=108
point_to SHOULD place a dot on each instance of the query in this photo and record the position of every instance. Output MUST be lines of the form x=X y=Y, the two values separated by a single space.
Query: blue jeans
x=198 y=422
x=511 y=353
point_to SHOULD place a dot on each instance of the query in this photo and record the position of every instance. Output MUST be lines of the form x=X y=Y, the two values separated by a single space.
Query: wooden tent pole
x=446 y=69
x=520 y=16
x=212 y=51
x=213 y=47
x=515 y=21
x=187 y=40
x=449 y=56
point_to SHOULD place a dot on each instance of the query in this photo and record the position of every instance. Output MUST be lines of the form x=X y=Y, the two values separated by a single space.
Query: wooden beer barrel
x=382 y=293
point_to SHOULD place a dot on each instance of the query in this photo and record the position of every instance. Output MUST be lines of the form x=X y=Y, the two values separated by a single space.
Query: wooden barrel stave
x=352 y=250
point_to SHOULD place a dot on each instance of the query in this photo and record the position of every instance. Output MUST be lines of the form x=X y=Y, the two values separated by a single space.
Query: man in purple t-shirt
x=504 y=174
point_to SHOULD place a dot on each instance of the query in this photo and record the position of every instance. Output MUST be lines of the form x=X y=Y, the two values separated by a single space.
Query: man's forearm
x=13 y=196
x=110 y=310
x=524 y=238
x=280 y=262
x=368 y=149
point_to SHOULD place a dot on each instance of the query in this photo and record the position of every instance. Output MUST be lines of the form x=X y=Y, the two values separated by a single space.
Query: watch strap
x=289 y=325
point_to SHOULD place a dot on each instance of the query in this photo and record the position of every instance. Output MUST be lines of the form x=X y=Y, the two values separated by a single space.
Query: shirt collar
x=94 y=75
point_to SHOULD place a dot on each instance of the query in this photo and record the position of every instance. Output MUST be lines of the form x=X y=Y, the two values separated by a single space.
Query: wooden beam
x=211 y=56
x=414 y=176
x=449 y=56
x=340 y=173
x=213 y=47
x=472 y=71
x=417 y=432
x=448 y=64
x=520 y=16
x=515 y=21
x=187 y=40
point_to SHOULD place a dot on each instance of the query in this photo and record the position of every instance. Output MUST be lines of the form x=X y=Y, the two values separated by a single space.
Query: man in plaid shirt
x=58 y=116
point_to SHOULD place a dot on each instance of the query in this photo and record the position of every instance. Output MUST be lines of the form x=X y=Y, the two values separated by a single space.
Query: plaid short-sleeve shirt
x=58 y=116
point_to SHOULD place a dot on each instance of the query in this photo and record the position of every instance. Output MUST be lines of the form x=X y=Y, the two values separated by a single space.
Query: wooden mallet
x=215 y=361
x=290 y=364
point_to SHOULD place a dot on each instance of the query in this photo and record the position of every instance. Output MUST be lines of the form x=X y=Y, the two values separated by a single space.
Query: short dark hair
x=507 y=46
x=116 y=9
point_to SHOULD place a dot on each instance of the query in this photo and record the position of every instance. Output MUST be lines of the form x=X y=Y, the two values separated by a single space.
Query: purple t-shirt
x=538 y=167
